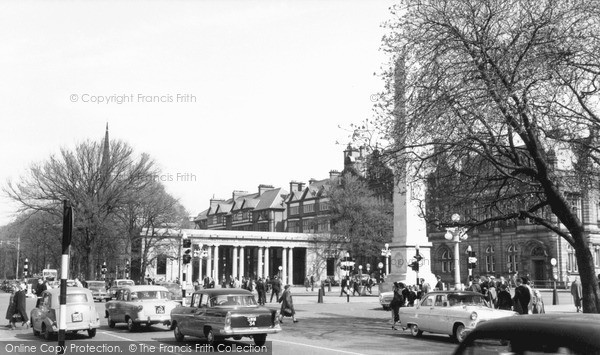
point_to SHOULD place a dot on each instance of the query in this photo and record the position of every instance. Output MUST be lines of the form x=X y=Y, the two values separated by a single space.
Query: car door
x=424 y=316
x=198 y=318
x=43 y=311
x=439 y=313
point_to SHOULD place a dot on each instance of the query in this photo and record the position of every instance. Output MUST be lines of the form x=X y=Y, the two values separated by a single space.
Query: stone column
x=267 y=269
x=260 y=262
x=209 y=272
x=242 y=261
x=200 y=260
x=216 y=266
x=284 y=265
x=234 y=272
x=291 y=266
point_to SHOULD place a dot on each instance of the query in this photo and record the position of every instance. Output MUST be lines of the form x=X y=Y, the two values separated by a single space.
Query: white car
x=455 y=313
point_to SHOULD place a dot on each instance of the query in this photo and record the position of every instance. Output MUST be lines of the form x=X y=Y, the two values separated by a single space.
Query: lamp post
x=280 y=268
x=387 y=253
x=456 y=235
x=554 y=277
x=380 y=266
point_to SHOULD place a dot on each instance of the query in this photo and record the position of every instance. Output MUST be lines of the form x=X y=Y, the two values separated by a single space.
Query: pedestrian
x=492 y=293
x=312 y=283
x=397 y=302
x=10 y=311
x=505 y=301
x=20 y=311
x=577 y=293
x=356 y=286
x=439 y=286
x=287 y=305
x=306 y=283
x=261 y=288
x=475 y=287
x=369 y=284
x=522 y=297
x=345 y=287
x=78 y=283
x=538 y=303
x=412 y=295
x=275 y=289
x=425 y=287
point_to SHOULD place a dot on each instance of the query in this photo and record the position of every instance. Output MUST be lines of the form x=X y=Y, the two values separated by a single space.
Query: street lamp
x=415 y=264
x=387 y=253
x=280 y=268
x=554 y=277
x=456 y=235
x=380 y=266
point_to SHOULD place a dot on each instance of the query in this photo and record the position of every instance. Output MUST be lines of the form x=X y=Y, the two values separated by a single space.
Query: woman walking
x=10 y=311
x=287 y=305
x=20 y=312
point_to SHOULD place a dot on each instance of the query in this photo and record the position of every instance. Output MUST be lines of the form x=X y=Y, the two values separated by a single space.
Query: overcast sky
x=267 y=84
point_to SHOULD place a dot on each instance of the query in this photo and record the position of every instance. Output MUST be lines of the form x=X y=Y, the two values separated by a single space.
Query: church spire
x=106 y=151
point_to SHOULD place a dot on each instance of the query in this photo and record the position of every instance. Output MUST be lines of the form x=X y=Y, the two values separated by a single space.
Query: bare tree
x=96 y=180
x=494 y=106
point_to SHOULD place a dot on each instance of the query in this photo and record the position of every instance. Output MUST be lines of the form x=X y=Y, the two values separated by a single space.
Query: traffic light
x=103 y=270
x=127 y=269
x=187 y=251
x=414 y=265
x=472 y=262
x=26 y=268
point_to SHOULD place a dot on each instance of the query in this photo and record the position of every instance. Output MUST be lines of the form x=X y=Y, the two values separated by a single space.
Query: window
x=308 y=226
x=324 y=206
x=294 y=210
x=293 y=227
x=571 y=260
x=512 y=257
x=490 y=262
x=446 y=260
x=308 y=208
x=575 y=202
x=161 y=264
x=597 y=255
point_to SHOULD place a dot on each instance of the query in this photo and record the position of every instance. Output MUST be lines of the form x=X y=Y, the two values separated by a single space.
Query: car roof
x=582 y=329
x=136 y=288
x=70 y=291
x=225 y=291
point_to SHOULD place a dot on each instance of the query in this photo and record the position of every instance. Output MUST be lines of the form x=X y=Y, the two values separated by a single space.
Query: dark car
x=564 y=333
x=217 y=314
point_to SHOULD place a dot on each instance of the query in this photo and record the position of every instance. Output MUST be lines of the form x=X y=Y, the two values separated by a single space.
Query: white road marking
x=116 y=336
x=316 y=347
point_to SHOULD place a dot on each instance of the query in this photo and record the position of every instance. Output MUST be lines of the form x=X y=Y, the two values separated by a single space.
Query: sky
x=223 y=95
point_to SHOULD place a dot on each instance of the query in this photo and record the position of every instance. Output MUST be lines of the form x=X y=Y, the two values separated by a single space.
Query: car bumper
x=154 y=319
x=250 y=331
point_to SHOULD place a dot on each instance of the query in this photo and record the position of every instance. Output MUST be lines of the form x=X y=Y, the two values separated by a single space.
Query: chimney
x=296 y=186
x=311 y=181
x=334 y=174
x=262 y=188
x=214 y=202
x=238 y=193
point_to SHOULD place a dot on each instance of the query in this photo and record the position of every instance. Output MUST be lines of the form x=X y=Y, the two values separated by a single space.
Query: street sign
x=472 y=260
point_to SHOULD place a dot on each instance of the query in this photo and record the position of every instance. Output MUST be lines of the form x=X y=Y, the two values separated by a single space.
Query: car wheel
x=92 y=332
x=131 y=326
x=386 y=308
x=260 y=339
x=178 y=335
x=46 y=333
x=111 y=322
x=415 y=331
x=210 y=338
x=460 y=333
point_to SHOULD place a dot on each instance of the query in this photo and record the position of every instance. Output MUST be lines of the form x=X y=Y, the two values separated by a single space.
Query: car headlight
x=140 y=307
x=473 y=315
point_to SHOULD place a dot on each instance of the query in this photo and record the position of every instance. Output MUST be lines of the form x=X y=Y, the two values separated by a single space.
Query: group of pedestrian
x=16 y=311
x=354 y=284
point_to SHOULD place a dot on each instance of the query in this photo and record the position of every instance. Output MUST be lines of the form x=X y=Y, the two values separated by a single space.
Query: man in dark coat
x=276 y=289
x=397 y=302
x=522 y=297
x=261 y=288
x=505 y=301
x=287 y=305
x=20 y=306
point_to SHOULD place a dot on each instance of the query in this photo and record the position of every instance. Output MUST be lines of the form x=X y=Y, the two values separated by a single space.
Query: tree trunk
x=589 y=282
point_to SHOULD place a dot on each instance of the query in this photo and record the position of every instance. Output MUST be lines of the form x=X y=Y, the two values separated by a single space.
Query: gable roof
x=272 y=199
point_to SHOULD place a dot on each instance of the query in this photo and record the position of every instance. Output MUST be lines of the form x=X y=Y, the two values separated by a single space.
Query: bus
x=50 y=274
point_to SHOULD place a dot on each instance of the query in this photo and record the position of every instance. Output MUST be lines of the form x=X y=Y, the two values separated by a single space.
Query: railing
x=549 y=284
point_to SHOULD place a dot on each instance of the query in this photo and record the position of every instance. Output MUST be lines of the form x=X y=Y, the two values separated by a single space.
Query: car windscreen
x=150 y=295
x=466 y=300
x=125 y=283
x=95 y=285
x=232 y=300
x=77 y=298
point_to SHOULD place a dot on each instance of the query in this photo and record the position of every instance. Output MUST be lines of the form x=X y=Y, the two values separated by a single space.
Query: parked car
x=455 y=313
x=81 y=312
x=98 y=289
x=174 y=290
x=386 y=294
x=564 y=333
x=141 y=304
x=118 y=284
x=217 y=314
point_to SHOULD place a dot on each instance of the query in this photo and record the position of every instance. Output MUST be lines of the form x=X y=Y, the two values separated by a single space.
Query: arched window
x=571 y=259
x=512 y=257
x=446 y=260
x=490 y=262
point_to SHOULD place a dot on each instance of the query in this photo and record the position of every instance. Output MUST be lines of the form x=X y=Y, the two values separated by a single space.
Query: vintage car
x=81 y=312
x=136 y=305
x=455 y=313
x=561 y=333
x=216 y=314
x=386 y=294
x=98 y=289
x=174 y=290
x=118 y=284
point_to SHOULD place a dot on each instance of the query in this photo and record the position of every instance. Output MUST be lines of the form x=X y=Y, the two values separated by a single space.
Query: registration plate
x=76 y=317
x=160 y=309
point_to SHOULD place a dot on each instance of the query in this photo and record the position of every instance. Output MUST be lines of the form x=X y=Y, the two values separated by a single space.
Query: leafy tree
x=495 y=104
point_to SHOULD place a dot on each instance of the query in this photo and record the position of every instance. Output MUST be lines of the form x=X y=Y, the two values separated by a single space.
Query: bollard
x=554 y=295
x=320 y=297
x=329 y=287
x=347 y=297
x=323 y=289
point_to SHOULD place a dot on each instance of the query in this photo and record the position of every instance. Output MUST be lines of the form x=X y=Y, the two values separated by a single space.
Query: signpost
x=64 y=273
